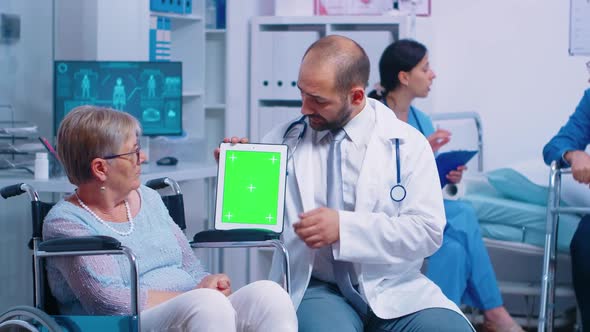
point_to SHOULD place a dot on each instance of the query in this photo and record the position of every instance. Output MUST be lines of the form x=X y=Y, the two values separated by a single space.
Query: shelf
x=192 y=93
x=215 y=31
x=279 y=103
x=215 y=106
x=175 y=16
x=277 y=45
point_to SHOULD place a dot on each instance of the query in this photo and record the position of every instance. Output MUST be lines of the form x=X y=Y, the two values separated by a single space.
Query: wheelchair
x=44 y=314
x=547 y=305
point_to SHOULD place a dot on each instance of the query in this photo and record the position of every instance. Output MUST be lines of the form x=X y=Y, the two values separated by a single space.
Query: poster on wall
x=421 y=7
x=352 y=7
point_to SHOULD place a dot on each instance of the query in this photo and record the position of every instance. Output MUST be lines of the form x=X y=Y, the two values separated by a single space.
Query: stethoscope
x=293 y=126
x=397 y=192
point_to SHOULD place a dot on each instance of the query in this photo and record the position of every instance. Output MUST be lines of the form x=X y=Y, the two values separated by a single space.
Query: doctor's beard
x=342 y=119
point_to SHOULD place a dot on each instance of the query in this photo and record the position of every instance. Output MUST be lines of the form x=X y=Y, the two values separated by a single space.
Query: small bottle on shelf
x=41 y=166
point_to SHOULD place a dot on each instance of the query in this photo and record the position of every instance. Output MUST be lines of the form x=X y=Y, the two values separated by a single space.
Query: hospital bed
x=512 y=213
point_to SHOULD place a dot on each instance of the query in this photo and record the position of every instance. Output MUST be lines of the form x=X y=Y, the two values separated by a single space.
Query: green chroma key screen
x=251 y=187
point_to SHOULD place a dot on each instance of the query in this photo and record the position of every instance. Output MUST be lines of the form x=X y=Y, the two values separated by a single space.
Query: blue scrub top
x=420 y=121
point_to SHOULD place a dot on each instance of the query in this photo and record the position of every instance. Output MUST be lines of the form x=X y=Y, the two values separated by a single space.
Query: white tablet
x=251 y=181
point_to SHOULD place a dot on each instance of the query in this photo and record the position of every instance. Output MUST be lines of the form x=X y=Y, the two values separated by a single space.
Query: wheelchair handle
x=18 y=189
x=162 y=183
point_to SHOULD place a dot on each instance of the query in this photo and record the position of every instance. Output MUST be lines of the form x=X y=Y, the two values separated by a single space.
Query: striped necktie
x=342 y=270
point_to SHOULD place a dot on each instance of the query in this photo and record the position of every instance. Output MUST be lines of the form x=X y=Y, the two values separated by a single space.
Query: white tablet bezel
x=223 y=148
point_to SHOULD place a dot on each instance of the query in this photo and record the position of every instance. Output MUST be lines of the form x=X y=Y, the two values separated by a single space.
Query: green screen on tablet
x=251 y=186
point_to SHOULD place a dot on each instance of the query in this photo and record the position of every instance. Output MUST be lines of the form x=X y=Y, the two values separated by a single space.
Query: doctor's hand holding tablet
x=233 y=140
x=318 y=227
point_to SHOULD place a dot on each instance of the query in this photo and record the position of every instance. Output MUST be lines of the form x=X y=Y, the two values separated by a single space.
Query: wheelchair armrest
x=235 y=235
x=81 y=243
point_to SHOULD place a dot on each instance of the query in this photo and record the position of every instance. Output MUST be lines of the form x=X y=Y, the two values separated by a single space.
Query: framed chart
x=422 y=6
x=579 y=40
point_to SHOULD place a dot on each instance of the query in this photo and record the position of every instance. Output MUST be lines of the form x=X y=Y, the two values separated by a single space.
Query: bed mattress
x=509 y=220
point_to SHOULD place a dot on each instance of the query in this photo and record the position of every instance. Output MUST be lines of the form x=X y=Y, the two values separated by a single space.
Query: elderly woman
x=101 y=154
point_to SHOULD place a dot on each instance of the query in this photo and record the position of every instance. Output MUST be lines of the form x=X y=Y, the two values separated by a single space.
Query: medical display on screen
x=251 y=187
x=150 y=91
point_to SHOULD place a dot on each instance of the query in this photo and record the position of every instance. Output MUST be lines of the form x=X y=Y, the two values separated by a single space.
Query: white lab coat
x=387 y=241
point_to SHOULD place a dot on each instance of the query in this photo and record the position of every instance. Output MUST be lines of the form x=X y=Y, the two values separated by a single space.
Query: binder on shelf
x=188 y=6
x=158 y=5
x=160 y=41
x=170 y=6
x=152 y=37
x=177 y=6
x=220 y=14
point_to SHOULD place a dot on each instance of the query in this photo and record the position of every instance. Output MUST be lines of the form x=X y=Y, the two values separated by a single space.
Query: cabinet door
x=262 y=75
x=288 y=50
x=373 y=42
x=273 y=116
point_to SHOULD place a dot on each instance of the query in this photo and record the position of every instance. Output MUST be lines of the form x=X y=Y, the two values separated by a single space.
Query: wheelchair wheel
x=26 y=318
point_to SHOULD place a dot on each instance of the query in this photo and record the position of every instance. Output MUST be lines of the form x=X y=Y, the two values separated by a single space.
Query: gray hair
x=89 y=132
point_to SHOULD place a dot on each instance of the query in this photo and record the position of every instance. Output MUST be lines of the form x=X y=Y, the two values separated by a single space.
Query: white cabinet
x=202 y=53
x=287 y=50
x=277 y=46
x=215 y=88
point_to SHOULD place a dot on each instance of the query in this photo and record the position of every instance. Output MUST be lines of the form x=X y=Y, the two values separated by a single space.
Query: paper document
x=449 y=161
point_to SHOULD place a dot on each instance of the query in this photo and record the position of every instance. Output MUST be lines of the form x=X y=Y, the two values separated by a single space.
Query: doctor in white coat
x=384 y=241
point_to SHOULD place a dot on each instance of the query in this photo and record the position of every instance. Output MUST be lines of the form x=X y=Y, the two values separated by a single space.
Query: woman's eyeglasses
x=137 y=153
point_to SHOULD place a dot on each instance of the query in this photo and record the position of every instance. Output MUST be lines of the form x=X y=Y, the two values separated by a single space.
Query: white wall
x=507 y=60
x=25 y=66
x=239 y=14
x=101 y=30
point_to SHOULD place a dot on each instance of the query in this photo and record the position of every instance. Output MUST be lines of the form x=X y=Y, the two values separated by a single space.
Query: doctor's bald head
x=345 y=59
x=332 y=80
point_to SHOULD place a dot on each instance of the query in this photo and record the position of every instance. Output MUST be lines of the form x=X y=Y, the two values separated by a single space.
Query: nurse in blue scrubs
x=461 y=267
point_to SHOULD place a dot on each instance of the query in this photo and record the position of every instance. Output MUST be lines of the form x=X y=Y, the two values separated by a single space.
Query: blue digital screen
x=150 y=91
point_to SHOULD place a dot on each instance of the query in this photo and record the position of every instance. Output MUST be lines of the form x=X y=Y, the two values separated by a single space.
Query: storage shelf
x=215 y=106
x=184 y=171
x=175 y=16
x=215 y=31
x=277 y=45
x=192 y=93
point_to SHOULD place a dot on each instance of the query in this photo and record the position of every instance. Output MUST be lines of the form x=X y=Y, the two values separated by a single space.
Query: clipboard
x=448 y=161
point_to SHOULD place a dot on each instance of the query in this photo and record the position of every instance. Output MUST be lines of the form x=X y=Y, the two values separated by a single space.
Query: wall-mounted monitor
x=150 y=91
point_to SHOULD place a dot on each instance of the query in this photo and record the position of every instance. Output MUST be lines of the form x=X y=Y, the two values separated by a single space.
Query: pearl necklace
x=131 y=223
